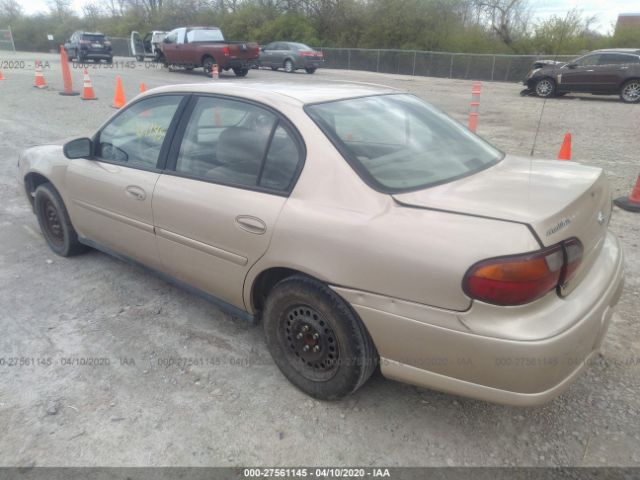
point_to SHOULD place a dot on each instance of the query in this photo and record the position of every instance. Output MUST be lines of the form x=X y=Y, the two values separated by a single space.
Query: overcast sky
x=606 y=11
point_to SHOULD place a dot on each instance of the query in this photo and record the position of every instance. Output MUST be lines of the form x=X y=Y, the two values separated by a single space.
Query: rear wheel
x=545 y=88
x=241 y=72
x=207 y=65
x=316 y=339
x=630 y=91
x=54 y=222
x=310 y=70
x=288 y=66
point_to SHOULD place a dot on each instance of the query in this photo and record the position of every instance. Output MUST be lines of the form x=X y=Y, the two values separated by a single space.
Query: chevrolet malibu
x=365 y=228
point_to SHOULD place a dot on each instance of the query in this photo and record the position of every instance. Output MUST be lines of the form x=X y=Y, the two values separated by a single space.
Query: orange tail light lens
x=520 y=279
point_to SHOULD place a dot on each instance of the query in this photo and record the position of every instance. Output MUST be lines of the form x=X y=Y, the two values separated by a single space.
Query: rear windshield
x=204 y=36
x=400 y=143
x=93 y=38
x=300 y=46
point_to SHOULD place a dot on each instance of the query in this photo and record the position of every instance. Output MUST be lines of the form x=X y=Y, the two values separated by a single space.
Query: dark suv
x=601 y=72
x=83 y=46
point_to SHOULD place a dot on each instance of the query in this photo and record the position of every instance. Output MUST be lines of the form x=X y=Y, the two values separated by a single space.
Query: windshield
x=212 y=35
x=400 y=143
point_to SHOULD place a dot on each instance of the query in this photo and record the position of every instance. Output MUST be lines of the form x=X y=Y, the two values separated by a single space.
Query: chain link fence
x=471 y=66
x=6 y=40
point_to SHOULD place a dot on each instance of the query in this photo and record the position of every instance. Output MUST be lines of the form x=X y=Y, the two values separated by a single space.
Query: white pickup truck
x=148 y=46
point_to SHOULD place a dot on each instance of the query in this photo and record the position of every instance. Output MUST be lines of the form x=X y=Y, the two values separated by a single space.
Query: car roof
x=304 y=93
x=635 y=51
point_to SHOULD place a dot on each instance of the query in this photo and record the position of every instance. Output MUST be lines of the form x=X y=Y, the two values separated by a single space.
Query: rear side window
x=617 y=59
x=238 y=144
x=134 y=138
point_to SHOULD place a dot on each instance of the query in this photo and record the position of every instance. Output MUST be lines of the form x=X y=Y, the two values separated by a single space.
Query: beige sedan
x=362 y=226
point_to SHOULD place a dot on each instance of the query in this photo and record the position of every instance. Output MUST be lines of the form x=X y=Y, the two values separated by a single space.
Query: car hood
x=547 y=63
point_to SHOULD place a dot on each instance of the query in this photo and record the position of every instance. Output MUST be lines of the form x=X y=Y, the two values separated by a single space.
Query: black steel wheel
x=54 y=222
x=316 y=339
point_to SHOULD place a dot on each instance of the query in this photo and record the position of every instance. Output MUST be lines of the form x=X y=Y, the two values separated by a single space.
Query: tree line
x=470 y=26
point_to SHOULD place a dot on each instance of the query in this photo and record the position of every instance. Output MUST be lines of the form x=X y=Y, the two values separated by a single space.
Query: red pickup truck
x=193 y=47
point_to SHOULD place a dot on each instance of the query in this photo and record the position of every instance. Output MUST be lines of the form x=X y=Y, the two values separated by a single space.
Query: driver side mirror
x=572 y=65
x=78 y=148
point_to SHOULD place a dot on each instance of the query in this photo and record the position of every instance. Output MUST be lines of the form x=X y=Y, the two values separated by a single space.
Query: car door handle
x=136 y=192
x=251 y=224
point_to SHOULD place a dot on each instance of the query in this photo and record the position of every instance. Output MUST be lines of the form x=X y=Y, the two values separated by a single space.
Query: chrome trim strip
x=203 y=247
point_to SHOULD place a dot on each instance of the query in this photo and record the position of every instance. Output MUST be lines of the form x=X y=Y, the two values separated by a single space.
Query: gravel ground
x=238 y=409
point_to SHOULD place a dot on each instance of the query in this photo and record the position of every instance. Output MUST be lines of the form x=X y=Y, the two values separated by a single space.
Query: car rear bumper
x=437 y=349
x=102 y=55
x=312 y=64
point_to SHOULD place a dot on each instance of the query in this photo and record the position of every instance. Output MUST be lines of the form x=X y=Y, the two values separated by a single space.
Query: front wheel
x=630 y=91
x=310 y=70
x=545 y=88
x=288 y=66
x=316 y=339
x=55 y=223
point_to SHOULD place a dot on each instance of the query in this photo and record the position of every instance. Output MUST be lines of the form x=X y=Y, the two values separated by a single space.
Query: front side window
x=172 y=37
x=400 y=143
x=135 y=136
x=588 y=60
x=239 y=144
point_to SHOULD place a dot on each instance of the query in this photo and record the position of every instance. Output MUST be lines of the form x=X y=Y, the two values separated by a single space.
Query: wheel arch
x=205 y=56
x=32 y=180
x=626 y=80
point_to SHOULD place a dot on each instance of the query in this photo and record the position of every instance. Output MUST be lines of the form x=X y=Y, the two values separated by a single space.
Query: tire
x=241 y=72
x=630 y=91
x=54 y=222
x=274 y=68
x=288 y=66
x=310 y=70
x=301 y=312
x=207 y=64
x=545 y=87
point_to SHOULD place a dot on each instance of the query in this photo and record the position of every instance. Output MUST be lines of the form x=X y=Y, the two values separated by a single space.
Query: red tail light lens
x=520 y=279
x=226 y=51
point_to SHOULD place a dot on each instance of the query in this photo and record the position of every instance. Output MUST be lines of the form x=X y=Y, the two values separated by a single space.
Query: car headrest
x=240 y=149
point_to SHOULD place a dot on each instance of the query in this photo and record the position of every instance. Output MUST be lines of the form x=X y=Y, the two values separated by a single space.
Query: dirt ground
x=135 y=408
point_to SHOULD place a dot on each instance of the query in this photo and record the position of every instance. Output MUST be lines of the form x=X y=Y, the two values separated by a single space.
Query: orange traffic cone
x=565 y=149
x=87 y=91
x=66 y=74
x=1 y=75
x=118 y=98
x=143 y=87
x=632 y=202
x=39 y=83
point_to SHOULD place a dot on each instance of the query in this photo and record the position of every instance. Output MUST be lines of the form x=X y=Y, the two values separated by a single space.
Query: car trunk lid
x=557 y=200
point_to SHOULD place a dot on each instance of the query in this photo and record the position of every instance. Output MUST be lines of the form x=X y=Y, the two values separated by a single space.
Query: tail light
x=520 y=279
x=307 y=54
x=226 y=51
